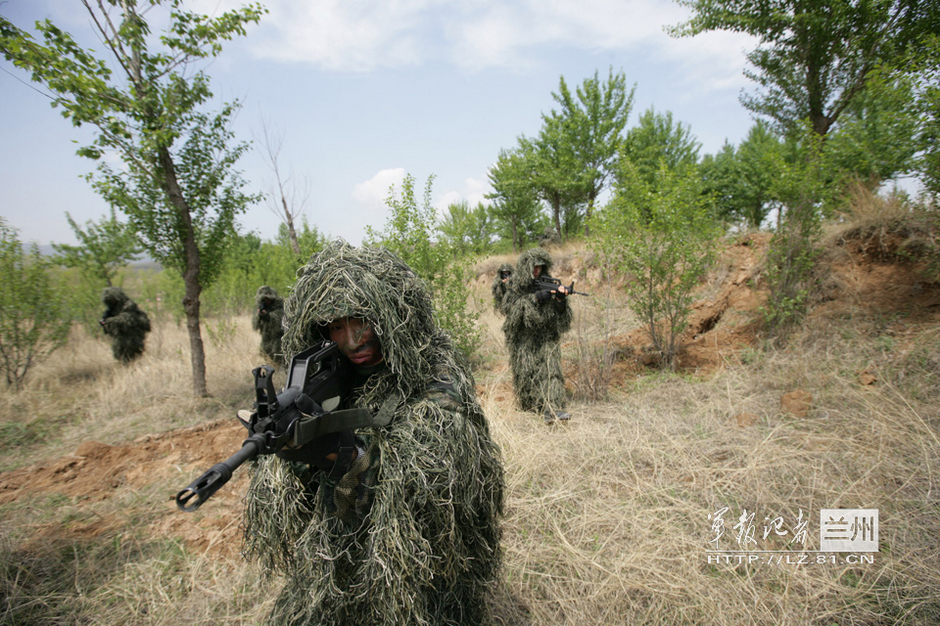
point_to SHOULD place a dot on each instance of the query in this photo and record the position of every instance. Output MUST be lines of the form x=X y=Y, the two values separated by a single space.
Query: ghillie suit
x=500 y=286
x=125 y=323
x=533 y=327
x=267 y=319
x=409 y=534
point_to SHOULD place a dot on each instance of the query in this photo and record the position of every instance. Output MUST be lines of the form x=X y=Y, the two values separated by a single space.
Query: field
x=611 y=518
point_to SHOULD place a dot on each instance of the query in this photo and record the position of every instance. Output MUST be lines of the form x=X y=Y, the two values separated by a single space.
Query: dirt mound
x=97 y=471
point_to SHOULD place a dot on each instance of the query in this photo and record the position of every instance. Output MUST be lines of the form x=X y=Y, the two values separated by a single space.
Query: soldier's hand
x=326 y=452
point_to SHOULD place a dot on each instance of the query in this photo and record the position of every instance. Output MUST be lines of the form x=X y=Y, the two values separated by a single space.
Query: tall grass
x=607 y=516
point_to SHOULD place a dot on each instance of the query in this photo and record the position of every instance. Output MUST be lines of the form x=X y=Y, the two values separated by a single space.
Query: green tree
x=515 y=211
x=663 y=247
x=309 y=239
x=877 y=138
x=657 y=141
x=33 y=320
x=592 y=121
x=408 y=233
x=814 y=56
x=741 y=180
x=178 y=185
x=550 y=166
x=803 y=191
x=106 y=247
x=467 y=230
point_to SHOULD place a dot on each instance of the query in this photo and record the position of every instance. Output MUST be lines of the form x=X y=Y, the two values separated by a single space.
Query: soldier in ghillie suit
x=536 y=318
x=389 y=525
x=125 y=323
x=267 y=319
x=500 y=286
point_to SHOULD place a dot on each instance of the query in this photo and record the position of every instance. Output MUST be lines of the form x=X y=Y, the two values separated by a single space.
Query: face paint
x=356 y=341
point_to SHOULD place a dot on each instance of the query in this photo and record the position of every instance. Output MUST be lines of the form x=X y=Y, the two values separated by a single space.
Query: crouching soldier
x=125 y=323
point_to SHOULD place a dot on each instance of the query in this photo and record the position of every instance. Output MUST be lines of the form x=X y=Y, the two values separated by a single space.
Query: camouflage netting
x=499 y=287
x=125 y=323
x=267 y=319
x=409 y=535
x=533 y=332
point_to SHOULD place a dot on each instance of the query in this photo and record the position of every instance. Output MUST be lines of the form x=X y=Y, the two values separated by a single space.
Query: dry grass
x=607 y=516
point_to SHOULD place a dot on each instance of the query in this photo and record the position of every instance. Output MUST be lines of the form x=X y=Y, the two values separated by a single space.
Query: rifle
x=547 y=283
x=302 y=412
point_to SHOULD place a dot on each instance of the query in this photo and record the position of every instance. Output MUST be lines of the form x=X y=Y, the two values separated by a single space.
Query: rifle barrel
x=201 y=489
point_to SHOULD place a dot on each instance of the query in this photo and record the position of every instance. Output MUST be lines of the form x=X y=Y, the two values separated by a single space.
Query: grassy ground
x=608 y=516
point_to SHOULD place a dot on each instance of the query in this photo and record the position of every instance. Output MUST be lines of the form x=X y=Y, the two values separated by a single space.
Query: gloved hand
x=543 y=295
x=333 y=453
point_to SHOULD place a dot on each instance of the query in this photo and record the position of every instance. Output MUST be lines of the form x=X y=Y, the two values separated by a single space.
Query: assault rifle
x=302 y=412
x=547 y=283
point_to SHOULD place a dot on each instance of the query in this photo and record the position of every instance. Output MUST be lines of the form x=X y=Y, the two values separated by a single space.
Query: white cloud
x=352 y=35
x=372 y=193
x=361 y=35
x=473 y=191
x=713 y=61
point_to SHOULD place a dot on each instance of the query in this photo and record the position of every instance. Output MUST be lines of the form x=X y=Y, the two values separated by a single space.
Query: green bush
x=408 y=234
x=663 y=242
x=34 y=320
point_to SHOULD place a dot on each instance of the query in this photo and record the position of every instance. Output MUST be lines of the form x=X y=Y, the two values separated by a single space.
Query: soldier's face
x=537 y=271
x=356 y=341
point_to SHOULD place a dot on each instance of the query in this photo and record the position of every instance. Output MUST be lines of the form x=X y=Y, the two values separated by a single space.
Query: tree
x=592 y=123
x=33 y=320
x=657 y=142
x=105 y=247
x=550 y=166
x=877 y=138
x=663 y=246
x=467 y=230
x=926 y=64
x=408 y=233
x=741 y=180
x=814 y=56
x=286 y=199
x=308 y=238
x=178 y=185
x=515 y=209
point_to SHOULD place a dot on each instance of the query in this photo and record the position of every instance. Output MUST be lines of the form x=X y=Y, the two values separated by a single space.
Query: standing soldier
x=267 y=319
x=394 y=523
x=536 y=318
x=125 y=323
x=500 y=286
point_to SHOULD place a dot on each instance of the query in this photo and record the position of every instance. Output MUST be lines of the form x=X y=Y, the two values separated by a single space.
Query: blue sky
x=363 y=92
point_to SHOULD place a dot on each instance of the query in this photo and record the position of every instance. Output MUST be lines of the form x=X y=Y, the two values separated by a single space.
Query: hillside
x=608 y=517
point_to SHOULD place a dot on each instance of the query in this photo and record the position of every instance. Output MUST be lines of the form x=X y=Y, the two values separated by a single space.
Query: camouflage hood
x=375 y=285
x=114 y=298
x=528 y=260
x=267 y=293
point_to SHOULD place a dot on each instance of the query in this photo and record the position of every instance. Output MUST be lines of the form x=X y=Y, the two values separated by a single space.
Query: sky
x=360 y=93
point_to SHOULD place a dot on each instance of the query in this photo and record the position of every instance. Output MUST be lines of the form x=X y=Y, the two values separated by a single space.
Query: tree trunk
x=193 y=287
x=289 y=218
